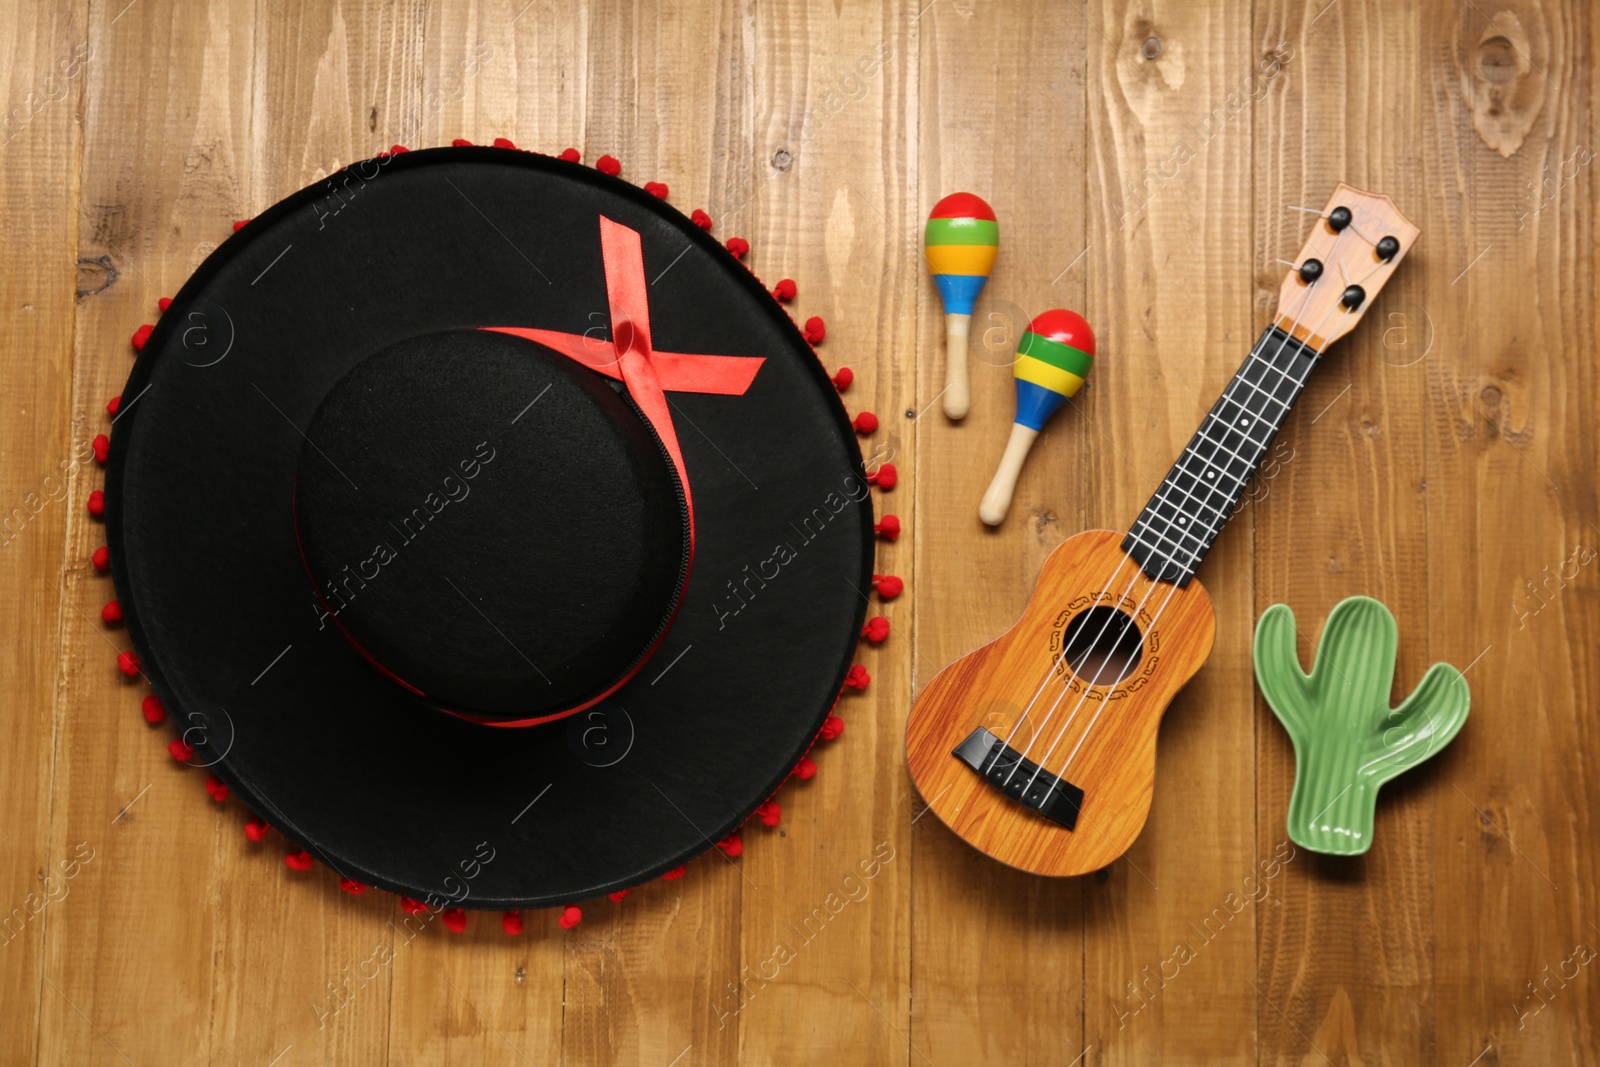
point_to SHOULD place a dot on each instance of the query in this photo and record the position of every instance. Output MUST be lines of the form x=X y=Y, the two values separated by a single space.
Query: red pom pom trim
x=101 y=446
x=770 y=812
x=888 y=585
x=101 y=559
x=885 y=477
x=888 y=529
x=97 y=503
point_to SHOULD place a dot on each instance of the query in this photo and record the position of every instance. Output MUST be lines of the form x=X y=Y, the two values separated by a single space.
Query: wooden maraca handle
x=957 y=391
x=997 y=501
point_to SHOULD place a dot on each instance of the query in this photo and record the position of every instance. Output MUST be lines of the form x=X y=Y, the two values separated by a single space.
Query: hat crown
x=490 y=523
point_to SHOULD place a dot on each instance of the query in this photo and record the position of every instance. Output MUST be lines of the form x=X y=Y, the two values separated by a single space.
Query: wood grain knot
x=1499 y=82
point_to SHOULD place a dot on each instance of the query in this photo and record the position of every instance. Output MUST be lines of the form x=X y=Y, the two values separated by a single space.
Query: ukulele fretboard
x=1199 y=495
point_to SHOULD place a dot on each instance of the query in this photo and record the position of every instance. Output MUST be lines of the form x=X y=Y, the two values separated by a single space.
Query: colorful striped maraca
x=960 y=242
x=1053 y=358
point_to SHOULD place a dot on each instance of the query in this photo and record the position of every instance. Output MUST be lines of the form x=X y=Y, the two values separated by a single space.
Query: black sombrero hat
x=475 y=503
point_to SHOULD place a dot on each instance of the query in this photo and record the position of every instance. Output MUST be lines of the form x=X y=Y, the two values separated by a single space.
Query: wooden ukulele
x=1039 y=748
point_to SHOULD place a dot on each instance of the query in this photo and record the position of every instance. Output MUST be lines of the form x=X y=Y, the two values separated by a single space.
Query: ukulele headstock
x=1354 y=247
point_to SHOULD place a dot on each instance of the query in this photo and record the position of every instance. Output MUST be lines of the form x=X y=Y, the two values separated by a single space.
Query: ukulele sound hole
x=1103 y=646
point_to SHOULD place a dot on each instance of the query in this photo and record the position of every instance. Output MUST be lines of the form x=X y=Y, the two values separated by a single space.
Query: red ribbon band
x=631 y=357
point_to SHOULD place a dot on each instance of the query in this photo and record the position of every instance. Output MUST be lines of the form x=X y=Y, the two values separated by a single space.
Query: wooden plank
x=997 y=954
x=665 y=93
x=1511 y=476
x=156 y=210
x=332 y=83
x=1346 y=955
x=488 y=70
x=327 y=996
x=492 y=70
x=145 y=222
x=1170 y=939
x=43 y=451
x=823 y=926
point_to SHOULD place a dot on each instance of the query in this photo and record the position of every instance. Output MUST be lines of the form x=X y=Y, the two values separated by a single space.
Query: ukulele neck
x=1175 y=530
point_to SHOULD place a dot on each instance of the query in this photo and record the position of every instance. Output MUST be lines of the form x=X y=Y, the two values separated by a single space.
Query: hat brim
x=316 y=741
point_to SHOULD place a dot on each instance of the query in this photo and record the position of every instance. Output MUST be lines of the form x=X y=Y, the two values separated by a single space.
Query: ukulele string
x=1056 y=663
x=1172 y=586
x=1161 y=494
x=1089 y=649
x=1194 y=563
x=1066 y=685
x=1153 y=622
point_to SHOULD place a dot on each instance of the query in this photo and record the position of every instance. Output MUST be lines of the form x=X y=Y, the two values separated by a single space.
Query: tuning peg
x=1388 y=248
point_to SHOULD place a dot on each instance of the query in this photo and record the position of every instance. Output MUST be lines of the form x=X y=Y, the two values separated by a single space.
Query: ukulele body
x=1100 y=737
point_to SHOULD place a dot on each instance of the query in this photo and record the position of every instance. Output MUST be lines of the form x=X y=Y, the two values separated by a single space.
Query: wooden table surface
x=1139 y=157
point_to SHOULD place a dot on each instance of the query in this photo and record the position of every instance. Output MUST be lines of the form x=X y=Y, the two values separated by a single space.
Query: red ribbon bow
x=633 y=359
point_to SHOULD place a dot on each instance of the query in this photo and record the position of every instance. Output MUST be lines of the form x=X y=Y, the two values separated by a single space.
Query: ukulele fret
x=1192 y=503
x=1170 y=512
x=1185 y=522
x=1214 y=469
x=1136 y=539
x=1256 y=388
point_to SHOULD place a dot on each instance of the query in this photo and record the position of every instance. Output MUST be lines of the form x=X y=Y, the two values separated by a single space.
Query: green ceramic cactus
x=1347 y=740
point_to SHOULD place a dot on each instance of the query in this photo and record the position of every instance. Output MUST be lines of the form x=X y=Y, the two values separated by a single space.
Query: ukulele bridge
x=1005 y=769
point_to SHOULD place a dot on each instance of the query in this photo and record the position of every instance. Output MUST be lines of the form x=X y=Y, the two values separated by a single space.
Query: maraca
x=1053 y=357
x=960 y=242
